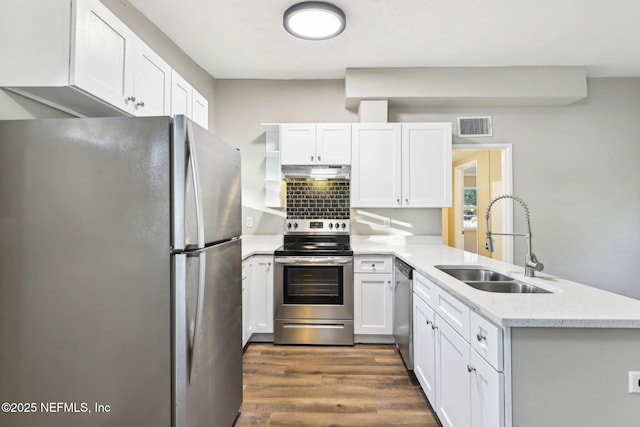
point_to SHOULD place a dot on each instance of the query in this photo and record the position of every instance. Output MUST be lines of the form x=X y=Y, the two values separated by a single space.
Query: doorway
x=481 y=172
x=466 y=206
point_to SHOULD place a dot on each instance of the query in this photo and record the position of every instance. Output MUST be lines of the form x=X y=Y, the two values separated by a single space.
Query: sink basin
x=487 y=280
x=513 y=287
x=476 y=274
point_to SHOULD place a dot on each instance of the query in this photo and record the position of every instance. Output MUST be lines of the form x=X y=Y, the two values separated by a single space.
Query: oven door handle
x=320 y=260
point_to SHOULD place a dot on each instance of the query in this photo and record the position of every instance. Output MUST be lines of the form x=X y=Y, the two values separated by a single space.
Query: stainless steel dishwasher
x=403 y=311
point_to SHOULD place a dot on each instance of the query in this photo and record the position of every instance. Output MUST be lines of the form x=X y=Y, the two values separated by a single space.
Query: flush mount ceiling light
x=314 y=20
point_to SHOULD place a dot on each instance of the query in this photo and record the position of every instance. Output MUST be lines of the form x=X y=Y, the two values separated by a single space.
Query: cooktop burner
x=315 y=246
x=323 y=237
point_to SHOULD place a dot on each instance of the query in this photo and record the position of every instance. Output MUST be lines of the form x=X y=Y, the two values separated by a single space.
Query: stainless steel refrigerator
x=120 y=274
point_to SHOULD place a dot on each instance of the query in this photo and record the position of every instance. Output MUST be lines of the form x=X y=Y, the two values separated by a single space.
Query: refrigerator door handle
x=195 y=175
x=202 y=275
x=181 y=340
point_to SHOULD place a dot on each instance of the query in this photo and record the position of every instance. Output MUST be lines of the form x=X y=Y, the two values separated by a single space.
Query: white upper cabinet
x=188 y=101
x=181 y=95
x=426 y=165
x=200 y=109
x=376 y=165
x=103 y=56
x=333 y=144
x=110 y=62
x=152 y=84
x=93 y=64
x=297 y=144
x=315 y=144
x=401 y=165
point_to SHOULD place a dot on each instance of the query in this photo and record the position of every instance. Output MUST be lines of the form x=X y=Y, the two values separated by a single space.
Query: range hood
x=316 y=171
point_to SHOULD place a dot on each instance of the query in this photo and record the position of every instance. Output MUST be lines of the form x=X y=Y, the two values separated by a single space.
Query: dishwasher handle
x=404 y=268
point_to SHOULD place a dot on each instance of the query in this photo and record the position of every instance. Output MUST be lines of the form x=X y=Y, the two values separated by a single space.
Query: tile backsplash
x=314 y=199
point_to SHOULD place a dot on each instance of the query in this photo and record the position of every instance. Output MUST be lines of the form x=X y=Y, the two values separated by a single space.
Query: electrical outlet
x=249 y=222
x=386 y=222
x=634 y=382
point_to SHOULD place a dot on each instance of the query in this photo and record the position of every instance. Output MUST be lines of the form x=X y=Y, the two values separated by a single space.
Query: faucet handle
x=488 y=243
x=534 y=263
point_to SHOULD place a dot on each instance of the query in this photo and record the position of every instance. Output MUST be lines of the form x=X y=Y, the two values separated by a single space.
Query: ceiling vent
x=474 y=126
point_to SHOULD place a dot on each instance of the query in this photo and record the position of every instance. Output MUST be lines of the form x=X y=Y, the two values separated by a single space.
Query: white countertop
x=569 y=305
x=260 y=244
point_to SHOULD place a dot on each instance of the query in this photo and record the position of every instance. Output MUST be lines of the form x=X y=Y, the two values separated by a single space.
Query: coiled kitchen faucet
x=531 y=263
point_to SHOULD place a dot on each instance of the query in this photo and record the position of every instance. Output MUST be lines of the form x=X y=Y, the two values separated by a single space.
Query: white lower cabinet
x=373 y=295
x=464 y=386
x=424 y=347
x=261 y=294
x=453 y=385
x=257 y=296
x=246 y=308
x=487 y=394
x=373 y=303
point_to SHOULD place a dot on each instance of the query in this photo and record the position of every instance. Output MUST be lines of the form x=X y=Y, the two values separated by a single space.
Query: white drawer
x=486 y=339
x=373 y=264
x=424 y=287
x=454 y=312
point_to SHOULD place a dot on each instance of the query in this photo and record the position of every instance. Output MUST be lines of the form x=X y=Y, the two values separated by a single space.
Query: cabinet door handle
x=131 y=98
x=434 y=327
x=470 y=368
x=398 y=200
x=429 y=322
x=312 y=158
x=140 y=104
x=319 y=158
x=481 y=337
x=406 y=201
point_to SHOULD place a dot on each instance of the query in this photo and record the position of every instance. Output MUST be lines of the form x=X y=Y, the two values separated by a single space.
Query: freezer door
x=207 y=329
x=206 y=187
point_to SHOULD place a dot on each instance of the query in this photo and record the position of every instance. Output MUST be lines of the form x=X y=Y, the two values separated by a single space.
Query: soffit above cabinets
x=466 y=87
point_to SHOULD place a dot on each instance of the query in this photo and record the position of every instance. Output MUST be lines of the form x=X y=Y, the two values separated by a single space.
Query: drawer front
x=486 y=339
x=454 y=312
x=424 y=287
x=373 y=264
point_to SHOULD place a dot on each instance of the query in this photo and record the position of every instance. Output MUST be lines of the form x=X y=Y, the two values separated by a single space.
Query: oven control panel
x=319 y=226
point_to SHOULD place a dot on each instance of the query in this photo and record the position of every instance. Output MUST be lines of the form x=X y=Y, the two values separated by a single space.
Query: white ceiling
x=245 y=39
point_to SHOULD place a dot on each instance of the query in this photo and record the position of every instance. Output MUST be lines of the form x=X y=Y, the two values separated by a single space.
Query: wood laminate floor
x=363 y=385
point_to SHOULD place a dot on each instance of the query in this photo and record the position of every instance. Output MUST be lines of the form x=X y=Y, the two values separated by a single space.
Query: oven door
x=313 y=287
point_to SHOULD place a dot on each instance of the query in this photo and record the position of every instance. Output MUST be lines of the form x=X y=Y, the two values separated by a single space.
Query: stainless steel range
x=313 y=284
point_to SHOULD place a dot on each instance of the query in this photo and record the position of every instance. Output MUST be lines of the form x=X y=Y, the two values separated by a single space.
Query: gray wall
x=575 y=167
x=241 y=105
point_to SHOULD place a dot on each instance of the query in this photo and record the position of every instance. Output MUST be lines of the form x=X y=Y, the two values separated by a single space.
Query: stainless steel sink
x=476 y=274
x=513 y=287
x=487 y=280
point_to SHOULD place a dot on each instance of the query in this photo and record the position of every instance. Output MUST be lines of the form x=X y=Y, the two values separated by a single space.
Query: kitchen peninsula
x=565 y=356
